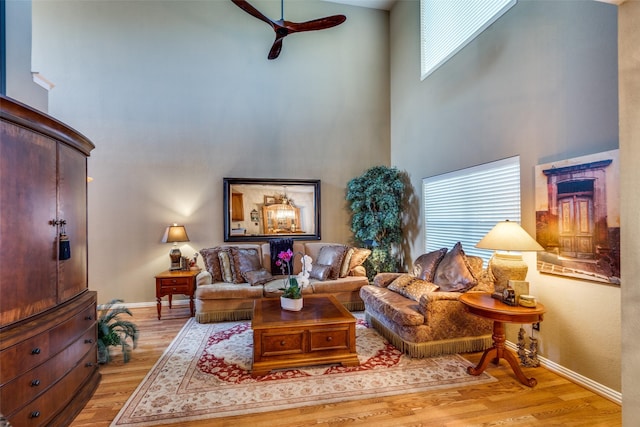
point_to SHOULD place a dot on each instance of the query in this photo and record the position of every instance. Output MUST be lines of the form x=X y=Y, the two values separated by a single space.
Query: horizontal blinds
x=446 y=26
x=462 y=206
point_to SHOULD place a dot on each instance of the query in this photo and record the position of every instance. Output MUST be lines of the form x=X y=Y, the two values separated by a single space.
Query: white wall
x=540 y=83
x=177 y=95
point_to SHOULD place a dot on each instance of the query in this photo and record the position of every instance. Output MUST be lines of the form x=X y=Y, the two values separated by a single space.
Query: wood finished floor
x=555 y=401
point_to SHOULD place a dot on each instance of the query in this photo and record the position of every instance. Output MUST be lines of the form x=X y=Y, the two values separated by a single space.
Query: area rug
x=205 y=374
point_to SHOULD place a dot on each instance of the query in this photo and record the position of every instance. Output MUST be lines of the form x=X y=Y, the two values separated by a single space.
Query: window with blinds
x=462 y=206
x=446 y=26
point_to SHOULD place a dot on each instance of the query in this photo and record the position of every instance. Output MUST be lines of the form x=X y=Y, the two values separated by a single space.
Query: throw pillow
x=212 y=263
x=246 y=259
x=345 y=268
x=425 y=265
x=257 y=277
x=453 y=274
x=319 y=271
x=411 y=287
x=358 y=257
x=332 y=255
x=226 y=266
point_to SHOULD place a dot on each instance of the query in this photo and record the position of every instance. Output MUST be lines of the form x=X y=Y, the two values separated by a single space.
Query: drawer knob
x=34 y=414
x=282 y=342
x=88 y=365
x=329 y=338
x=173 y=289
x=88 y=318
x=35 y=350
x=88 y=341
x=35 y=383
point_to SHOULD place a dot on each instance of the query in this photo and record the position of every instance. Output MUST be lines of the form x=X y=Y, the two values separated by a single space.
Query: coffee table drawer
x=330 y=339
x=283 y=343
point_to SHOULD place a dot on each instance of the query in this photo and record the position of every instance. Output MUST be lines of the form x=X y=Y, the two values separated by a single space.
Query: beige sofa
x=219 y=298
x=424 y=322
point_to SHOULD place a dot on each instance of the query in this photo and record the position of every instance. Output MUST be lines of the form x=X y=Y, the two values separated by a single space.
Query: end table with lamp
x=483 y=305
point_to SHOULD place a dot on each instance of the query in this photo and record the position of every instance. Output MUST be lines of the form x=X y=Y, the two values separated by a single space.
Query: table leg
x=193 y=311
x=499 y=351
x=170 y=298
x=159 y=306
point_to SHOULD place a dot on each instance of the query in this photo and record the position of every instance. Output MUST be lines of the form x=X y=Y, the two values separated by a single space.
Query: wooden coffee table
x=481 y=304
x=323 y=332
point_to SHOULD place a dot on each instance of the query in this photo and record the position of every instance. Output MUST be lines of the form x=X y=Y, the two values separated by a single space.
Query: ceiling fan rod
x=282 y=10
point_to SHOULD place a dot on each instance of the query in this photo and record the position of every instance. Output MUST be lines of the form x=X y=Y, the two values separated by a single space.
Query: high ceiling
x=374 y=4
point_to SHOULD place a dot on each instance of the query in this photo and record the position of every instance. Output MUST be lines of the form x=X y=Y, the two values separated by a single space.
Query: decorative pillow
x=346 y=263
x=332 y=255
x=412 y=287
x=257 y=277
x=246 y=259
x=453 y=274
x=226 y=266
x=424 y=267
x=358 y=257
x=212 y=263
x=319 y=271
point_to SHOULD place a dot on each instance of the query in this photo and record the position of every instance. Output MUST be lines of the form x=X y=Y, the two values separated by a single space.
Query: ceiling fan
x=284 y=28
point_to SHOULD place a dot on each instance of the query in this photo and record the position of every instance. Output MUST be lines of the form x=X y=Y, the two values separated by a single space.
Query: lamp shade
x=508 y=236
x=175 y=233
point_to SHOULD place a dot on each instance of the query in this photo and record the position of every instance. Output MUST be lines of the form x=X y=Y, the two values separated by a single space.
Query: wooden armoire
x=48 y=366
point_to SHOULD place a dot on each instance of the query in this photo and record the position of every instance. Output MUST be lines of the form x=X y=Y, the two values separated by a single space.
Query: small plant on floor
x=113 y=331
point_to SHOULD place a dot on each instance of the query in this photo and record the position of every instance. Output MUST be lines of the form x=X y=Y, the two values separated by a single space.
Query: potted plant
x=113 y=331
x=376 y=203
x=291 y=298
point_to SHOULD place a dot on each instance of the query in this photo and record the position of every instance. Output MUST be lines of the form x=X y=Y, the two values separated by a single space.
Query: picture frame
x=269 y=200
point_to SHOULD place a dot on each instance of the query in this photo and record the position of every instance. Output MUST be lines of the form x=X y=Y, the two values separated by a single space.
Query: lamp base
x=505 y=267
x=176 y=257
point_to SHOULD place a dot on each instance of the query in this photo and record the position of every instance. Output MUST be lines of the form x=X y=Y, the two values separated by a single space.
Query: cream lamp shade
x=173 y=234
x=508 y=236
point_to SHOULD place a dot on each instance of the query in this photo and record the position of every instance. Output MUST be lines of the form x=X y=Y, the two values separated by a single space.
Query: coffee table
x=323 y=332
x=481 y=304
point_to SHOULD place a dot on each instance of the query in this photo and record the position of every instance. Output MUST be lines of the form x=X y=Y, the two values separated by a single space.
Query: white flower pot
x=291 y=304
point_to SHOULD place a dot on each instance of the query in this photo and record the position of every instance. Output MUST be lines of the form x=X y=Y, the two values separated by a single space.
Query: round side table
x=481 y=304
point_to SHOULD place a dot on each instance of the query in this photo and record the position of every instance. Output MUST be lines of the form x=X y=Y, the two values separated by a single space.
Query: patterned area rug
x=205 y=374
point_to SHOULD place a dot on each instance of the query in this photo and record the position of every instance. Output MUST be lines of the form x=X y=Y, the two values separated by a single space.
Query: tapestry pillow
x=257 y=277
x=319 y=271
x=424 y=267
x=453 y=273
x=226 y=266
x=358 y=257
x=212 y=263
x=332 y=255
x=246 y=259
x=346 y=263
x=411 y=287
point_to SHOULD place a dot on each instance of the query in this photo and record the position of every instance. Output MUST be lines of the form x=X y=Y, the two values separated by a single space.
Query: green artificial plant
x=114 y=331
x=376 y=203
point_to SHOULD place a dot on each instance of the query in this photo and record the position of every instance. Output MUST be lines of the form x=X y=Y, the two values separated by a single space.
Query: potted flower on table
x=291 y=298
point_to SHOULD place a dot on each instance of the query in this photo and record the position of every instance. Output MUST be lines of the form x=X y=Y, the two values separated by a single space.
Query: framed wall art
x=578 y=217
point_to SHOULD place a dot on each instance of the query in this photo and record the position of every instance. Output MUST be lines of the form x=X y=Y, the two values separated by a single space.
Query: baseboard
x=153 y=303
x=606 y=392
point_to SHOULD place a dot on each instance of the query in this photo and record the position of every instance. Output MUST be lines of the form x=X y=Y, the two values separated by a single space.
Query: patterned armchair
x=427 y=322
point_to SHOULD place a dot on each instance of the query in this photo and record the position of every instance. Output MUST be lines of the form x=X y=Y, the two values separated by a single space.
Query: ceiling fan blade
x=244 y=5
x=276 y=48
x=316 y=24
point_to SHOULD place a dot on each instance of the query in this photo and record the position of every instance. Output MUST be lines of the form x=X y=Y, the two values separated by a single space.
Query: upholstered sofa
x=419 y=312
x=235 y=275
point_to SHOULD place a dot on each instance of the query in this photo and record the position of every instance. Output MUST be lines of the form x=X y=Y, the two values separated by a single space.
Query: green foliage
x=113 y=331
x=376 y=203
x=293 y=291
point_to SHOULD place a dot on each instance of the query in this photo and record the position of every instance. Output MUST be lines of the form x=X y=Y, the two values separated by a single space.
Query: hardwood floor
x=554 y=401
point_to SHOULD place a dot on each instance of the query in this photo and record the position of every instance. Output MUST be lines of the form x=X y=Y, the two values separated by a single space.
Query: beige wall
x=629 y=76
x=540 y=83
x=177 y=95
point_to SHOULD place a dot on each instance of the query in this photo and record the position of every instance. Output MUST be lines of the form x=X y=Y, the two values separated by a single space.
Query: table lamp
x=173 y=234
x=508 y=236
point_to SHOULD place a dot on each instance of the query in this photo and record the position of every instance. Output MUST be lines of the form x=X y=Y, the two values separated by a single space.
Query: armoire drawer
x=32 y=383
x=35 y=350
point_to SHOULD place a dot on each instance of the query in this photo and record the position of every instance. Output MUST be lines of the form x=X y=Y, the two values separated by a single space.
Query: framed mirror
x=262 y=209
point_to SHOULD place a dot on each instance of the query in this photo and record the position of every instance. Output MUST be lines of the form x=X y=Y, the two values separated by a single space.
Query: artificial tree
x=375 y=200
